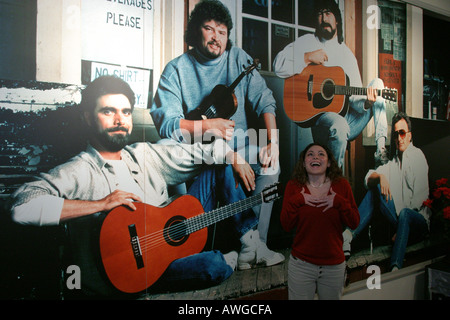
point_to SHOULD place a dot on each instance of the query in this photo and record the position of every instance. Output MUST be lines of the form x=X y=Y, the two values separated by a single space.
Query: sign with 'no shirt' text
x=138 y=79
x=117 y=32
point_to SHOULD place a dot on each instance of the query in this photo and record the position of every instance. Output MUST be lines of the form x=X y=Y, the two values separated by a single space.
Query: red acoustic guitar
x=137 y=246
x=320 y=89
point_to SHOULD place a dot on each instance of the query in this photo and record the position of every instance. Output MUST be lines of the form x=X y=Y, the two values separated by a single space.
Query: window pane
x=254 y=40
x=281 y=37
x=18 y=39
x=255 y=7
x=302 y=32
x=306 y=15
x=283 y=10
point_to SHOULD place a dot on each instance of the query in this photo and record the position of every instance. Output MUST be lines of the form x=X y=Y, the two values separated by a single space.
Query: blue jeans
x=334 y=130
x=205 y=269
x=409 y=223
x=262 y=179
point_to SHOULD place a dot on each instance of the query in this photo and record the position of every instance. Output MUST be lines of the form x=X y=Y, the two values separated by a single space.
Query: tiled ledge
x=271 y=282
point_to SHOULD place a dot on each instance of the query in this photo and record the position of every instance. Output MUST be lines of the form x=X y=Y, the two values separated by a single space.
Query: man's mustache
x=325 y=24
x=214 y=43
x=116 y=129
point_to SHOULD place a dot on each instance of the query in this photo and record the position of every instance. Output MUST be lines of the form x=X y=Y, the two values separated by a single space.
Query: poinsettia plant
x=439 y=202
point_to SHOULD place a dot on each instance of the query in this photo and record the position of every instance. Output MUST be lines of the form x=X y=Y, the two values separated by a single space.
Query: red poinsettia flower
x=439 y=201
x=428 y=203
x=446 y=213
x=446 y=192
x=437 y=193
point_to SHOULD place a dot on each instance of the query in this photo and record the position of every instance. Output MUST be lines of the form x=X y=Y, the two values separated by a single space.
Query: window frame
x=239 y=22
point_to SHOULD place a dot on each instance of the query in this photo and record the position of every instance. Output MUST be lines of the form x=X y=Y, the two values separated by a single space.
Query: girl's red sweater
x=318 y=235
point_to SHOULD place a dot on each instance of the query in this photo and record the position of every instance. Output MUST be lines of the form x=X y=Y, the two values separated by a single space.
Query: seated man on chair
x=110 y=173
x=400 y=186
x=188 y=79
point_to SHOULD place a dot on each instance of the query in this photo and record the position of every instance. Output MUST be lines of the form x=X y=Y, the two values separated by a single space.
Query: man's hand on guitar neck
x=371 y=97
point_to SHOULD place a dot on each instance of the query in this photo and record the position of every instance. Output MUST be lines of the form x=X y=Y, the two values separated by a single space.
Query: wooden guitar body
x=318 y=89
x=311 y=93
x=136 y=247
x=132 y=271
x=221 y=103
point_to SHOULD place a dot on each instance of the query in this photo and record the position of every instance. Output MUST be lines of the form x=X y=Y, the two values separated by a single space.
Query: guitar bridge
x=309 y=89
x=136 y=246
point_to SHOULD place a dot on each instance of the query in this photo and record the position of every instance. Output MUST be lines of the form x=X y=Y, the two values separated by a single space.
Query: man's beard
x=115 y=142
x=324 y=34
x=210 y=54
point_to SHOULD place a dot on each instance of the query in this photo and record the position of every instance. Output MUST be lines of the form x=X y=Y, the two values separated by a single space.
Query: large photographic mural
x=319 y=93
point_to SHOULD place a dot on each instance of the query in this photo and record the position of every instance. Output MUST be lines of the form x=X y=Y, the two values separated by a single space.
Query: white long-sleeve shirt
x=290 y=61
x=408 y=180
x=149 y=170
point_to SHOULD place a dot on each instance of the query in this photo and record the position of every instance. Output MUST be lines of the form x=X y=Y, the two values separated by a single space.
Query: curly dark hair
x=102 y=86
x=334 y=172
x=204 y=11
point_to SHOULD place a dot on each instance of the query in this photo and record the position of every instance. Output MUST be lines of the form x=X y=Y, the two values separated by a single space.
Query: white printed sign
x=117 y=32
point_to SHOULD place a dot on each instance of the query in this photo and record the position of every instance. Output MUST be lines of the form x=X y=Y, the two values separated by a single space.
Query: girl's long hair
x=334 y=172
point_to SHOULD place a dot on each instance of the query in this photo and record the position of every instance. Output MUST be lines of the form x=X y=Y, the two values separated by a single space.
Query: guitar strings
x=183 y=228
x=347 y=89
x=196 y=223
x=209 y=113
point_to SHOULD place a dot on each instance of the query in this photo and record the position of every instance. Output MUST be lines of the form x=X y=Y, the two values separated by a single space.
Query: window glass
x=283 y=10
x=255 y=7
x=254 y=40
x=267 y=30
x=281 y=37
x=305 y=14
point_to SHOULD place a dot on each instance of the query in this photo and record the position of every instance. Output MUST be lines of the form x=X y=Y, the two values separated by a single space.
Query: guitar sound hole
x=328 y=89
x=175 y=231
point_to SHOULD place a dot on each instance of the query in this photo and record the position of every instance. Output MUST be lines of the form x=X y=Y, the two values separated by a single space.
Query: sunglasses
x=400 y=133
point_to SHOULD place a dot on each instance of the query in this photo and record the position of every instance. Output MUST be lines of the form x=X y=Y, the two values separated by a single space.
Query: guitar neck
x=236 y=82
x=242 y=75
x=206 y=219
x=349 y=91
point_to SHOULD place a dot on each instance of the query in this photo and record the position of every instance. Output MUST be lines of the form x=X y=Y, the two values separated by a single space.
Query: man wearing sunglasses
x=401 y=187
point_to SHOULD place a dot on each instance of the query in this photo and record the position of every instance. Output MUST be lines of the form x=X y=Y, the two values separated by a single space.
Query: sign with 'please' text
x=117 y=31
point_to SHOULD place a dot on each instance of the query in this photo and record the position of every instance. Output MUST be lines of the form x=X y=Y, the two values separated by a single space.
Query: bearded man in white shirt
x=111 y=173
x=326 y=47
x=401 y=187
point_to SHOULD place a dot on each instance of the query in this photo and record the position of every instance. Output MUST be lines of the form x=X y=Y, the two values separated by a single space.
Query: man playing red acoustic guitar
x=111 y=173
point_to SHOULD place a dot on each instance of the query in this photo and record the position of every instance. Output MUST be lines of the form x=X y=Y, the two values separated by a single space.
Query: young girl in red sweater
x=318 y=204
